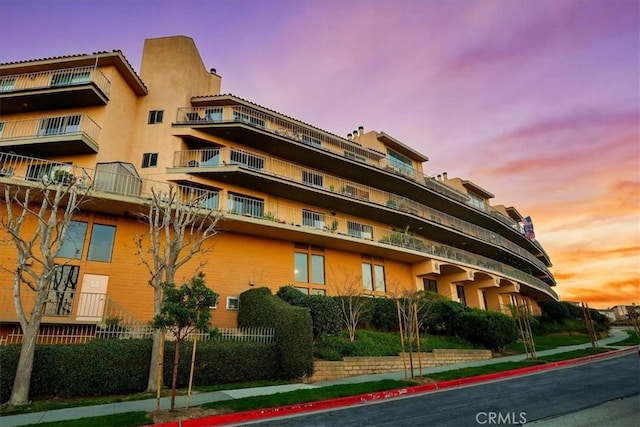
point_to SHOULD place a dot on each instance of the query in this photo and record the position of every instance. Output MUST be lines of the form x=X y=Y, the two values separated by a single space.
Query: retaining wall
x=352 y=366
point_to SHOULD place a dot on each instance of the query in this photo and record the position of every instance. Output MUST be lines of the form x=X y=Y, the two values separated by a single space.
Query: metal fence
x=81 y=334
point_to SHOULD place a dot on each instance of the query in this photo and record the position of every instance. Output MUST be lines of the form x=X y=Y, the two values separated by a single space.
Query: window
x=59 y=125
x=74 y=240
x=233 y=303
x=7 y=84
x=101 y=244
x=400 y=163
x=313 y=219
x=155 y=116
x=243 y=205
x=361 y=231
x=353 y=156
x=367 y=276
x=430 y=285
x=373 y=277
x=318 y=292
x=378 y=274
x=241 y=117
x=209 y=200
x=61 y=291
x=302 y=268
x=311 y=178
x=1 y=128
x=240 y=157
x=213 y=114
x=311 y=140
x=70 y=77
x=149 y=160
x=460 y=292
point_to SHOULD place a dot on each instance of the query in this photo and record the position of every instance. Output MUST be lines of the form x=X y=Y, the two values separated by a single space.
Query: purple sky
x=536 y=101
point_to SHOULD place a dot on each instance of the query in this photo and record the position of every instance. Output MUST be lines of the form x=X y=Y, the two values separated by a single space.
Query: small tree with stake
x=184 y=310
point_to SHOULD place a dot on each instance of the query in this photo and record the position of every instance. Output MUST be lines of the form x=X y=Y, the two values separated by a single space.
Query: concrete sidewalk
x=201 y=398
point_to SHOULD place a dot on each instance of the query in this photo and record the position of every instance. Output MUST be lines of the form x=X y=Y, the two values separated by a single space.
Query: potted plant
x=62 y=176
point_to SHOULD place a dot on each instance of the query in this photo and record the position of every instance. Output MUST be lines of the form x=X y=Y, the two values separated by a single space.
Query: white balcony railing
x=72 y=124
x=55 y=79
x=238 y=206
x=219 y=157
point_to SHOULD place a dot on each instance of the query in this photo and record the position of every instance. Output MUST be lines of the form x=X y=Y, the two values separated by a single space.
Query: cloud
x=609 y=294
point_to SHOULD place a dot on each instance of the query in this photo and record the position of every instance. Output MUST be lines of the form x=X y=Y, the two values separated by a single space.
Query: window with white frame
x=373 y=277
x=361 y=231
x=313 y=219
x=233 y=303
x=155 y=116
x=149 y=160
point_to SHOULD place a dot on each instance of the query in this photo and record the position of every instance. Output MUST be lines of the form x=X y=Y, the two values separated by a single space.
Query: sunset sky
x=535 y=101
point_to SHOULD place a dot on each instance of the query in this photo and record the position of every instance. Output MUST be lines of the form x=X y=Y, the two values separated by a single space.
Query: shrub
x=441 y=318
x=325 y=311
x=293 y=329
x=292 y=296
x=490 y=329
x=384 y=314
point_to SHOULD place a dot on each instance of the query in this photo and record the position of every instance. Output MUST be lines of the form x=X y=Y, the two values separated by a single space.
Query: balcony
x=227 y=117
x=53 y=90
x=121 y=191
x=50 y=136
x=339 y=194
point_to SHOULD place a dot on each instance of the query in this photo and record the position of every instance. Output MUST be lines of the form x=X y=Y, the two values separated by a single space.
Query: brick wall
x=352 y=366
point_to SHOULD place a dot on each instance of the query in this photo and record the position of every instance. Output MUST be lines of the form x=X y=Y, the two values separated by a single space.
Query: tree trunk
x=174 y=379
x=152 y=384
x=22 y=380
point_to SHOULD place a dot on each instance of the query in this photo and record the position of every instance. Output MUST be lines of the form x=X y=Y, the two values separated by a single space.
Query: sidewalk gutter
x=239 y=417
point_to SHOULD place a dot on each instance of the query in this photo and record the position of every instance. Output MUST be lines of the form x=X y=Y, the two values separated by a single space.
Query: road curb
x=239 y=417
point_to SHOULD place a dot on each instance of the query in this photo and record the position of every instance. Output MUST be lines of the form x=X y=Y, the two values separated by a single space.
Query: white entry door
x=93 y=295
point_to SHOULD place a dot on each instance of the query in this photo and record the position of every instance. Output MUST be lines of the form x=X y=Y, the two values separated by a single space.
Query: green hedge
x=488 y=328
x=107 y=367
x=293 y=329
x=326 y=315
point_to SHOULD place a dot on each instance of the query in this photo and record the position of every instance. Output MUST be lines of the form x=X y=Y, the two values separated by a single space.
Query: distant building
x=301 y=205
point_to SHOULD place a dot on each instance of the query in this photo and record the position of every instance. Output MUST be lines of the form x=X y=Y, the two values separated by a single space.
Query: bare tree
x=352 y=299
x=178 y=229
x=50 y=204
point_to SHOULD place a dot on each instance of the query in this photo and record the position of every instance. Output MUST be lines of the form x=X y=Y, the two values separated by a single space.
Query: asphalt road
x=543 y=397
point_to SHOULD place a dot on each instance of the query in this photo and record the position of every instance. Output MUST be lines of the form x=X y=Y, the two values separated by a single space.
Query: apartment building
x=301 y=206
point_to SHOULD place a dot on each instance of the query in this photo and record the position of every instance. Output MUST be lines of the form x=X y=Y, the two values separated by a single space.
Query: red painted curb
x=238 y=417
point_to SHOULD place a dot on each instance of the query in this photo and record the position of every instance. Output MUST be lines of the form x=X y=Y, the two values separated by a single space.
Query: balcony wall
x=52 y=90
x=51 y=135
x=203 y=161
x=328 y=228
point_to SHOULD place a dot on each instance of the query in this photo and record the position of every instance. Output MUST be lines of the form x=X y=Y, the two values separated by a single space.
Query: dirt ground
x=180 y=414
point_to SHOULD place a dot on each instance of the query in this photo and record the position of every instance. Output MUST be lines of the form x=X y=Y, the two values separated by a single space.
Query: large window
x=400 y=163
x=74 y=240
x=430 y=285
x=70 y=77
x=309 y=266
x=101 y=244
x=59 y=125
x=373 y=277
x=7 y=84
x=311 y=140
x=61 y=291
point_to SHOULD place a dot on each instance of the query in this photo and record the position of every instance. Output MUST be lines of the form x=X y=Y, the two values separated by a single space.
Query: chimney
x=355 y=133
x=444 y=176
x=439 y=177
x=349 y=136
x=213 y=71
x=361 y=130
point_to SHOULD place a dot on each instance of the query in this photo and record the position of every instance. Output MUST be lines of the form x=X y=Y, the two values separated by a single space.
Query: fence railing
x=220 y=157
x=55 y=79
x=50 y=126
x=310 y=136
x=239 y=204
x=81 y=334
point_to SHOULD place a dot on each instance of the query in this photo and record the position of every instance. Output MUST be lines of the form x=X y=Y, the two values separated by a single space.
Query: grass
x=306 y=395
x=547 y=342
x=455 y=374
x=127 y=419
x=370 y=343
x=632 y=339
